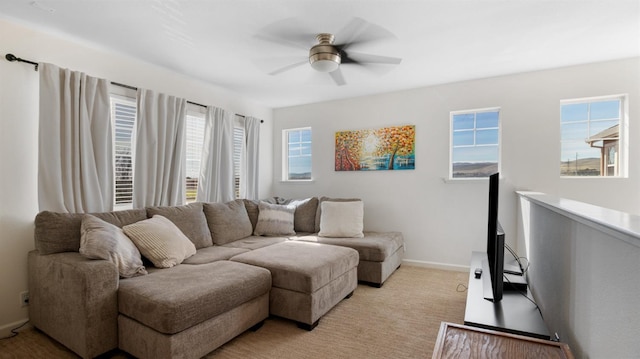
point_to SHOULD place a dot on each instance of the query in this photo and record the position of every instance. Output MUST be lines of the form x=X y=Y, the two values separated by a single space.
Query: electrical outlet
x=24 y=298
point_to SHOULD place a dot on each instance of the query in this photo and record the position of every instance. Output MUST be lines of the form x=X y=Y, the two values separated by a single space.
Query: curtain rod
x=13 y=58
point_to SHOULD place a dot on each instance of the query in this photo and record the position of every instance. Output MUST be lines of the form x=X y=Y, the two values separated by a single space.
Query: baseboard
x=5 y=330
x=436 y=265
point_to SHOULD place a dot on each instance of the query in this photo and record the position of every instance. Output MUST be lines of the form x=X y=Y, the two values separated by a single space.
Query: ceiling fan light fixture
x=324 y=57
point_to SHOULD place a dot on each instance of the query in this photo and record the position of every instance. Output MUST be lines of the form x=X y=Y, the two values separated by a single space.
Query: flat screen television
x=495 y=241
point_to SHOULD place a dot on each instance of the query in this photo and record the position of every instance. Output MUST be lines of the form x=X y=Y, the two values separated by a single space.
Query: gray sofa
x=232 y=283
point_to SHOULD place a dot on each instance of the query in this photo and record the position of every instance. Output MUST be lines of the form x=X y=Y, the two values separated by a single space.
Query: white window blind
x=238 y=146
x=195 y=140
x=123 y=115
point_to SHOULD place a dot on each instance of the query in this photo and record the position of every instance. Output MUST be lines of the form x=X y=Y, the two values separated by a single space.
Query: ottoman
x=308 y=279
x=189 y=310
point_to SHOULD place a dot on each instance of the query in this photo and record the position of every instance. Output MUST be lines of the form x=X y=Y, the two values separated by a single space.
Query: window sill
x=298 y=181
x=465 y=180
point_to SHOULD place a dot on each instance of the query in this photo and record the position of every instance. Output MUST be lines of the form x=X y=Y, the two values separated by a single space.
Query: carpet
x=399 y=320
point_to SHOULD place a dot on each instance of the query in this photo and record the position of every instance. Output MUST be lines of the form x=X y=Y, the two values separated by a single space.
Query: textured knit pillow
x=102 y=240
x=274 y=220
x=341 y=219
x=160 y=241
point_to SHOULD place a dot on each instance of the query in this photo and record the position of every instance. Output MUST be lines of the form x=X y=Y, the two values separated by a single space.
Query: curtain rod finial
x=11 y=57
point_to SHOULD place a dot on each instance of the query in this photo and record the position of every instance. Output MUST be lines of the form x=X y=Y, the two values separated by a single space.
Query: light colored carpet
x=399 y=320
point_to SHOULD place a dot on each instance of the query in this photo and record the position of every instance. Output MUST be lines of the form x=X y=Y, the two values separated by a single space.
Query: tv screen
x=495 y=240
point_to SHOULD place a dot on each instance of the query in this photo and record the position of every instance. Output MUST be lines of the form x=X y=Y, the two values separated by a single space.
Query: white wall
x=443 y=222
x=19 y=135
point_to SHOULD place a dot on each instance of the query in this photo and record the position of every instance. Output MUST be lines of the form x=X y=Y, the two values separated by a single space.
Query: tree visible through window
x=590 y=137
x=297 y=154
x=475 y=143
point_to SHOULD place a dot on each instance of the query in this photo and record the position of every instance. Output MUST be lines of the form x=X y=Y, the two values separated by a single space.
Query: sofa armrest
x=74 y=300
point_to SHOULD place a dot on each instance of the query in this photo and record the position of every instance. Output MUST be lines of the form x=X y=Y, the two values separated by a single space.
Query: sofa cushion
x=274 y=220
x=228 y=221
x=178 y=298
x=325 y=199
x=160 y=241
x=300 y=266
x=305 y=215
x=213 y=254
x=189 y=219
x=341 y=219
x=374 y=246
x=60 y=232
x=102 y=240
x=252 y=210
x=255 y=242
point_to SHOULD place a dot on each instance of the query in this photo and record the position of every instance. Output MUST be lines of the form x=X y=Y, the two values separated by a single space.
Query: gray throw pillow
x=228 y=222
x=305 y=215
x=275 y=220
x=190 y=219
x=102 y=240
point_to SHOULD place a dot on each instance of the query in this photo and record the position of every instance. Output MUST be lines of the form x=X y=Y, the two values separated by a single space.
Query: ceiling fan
x=327 y=55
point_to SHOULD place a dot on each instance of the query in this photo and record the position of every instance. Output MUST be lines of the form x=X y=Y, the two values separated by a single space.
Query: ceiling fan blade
x=288 y=67
x=359 y=31
x=287 y=32
x=337 y=77
x=360 y=58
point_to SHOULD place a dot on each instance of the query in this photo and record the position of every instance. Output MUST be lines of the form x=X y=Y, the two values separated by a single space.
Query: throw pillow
x=228 y=222
x=341 y=219
x=327 y=199
x=304 y=219
x=275 y=220
x=102 y=240
x=160 y=241
x=189 y=219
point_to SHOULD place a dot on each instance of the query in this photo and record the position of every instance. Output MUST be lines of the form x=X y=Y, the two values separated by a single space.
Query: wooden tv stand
x=513 y=314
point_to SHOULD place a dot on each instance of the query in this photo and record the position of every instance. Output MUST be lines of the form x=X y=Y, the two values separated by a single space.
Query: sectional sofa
x=180 y=281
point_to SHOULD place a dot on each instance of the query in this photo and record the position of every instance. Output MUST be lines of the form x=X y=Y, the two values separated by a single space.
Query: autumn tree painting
x=389 y=148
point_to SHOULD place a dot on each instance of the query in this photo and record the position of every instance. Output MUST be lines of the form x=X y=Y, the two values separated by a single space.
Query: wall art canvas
x=389 y=148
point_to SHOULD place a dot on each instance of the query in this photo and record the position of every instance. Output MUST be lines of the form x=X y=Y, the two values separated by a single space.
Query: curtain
x=75 y=160
x=249 y=182
x=159 y=156
x=216 y=170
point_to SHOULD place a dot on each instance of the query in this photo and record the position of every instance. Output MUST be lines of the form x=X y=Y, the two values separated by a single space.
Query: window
x=475 y=143
x=194 y=142
x=123 y=115
x=590 y=138
x=238 y=153
x=296 y=154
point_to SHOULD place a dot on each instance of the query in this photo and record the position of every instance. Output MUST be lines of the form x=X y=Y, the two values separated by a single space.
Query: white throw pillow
x=275 y=220
x=341 y=219
x=160 y=241
x=102 y=240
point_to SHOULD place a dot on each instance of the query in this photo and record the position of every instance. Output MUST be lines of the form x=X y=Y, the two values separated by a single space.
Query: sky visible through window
x=475 y=143
x=581 y=121
x=299 y=154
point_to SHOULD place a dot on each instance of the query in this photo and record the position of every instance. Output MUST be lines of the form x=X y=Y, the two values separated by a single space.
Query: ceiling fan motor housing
x=324 y=57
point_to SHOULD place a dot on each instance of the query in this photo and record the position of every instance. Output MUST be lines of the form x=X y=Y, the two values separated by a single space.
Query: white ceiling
x=440 y=41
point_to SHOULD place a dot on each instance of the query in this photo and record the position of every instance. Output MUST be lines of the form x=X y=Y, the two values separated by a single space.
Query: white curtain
x=159 y=157
x=216 y=170
x=75 y=163
x=249 y=182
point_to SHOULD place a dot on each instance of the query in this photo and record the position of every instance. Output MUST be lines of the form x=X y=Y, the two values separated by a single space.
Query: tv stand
x=513 y=314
